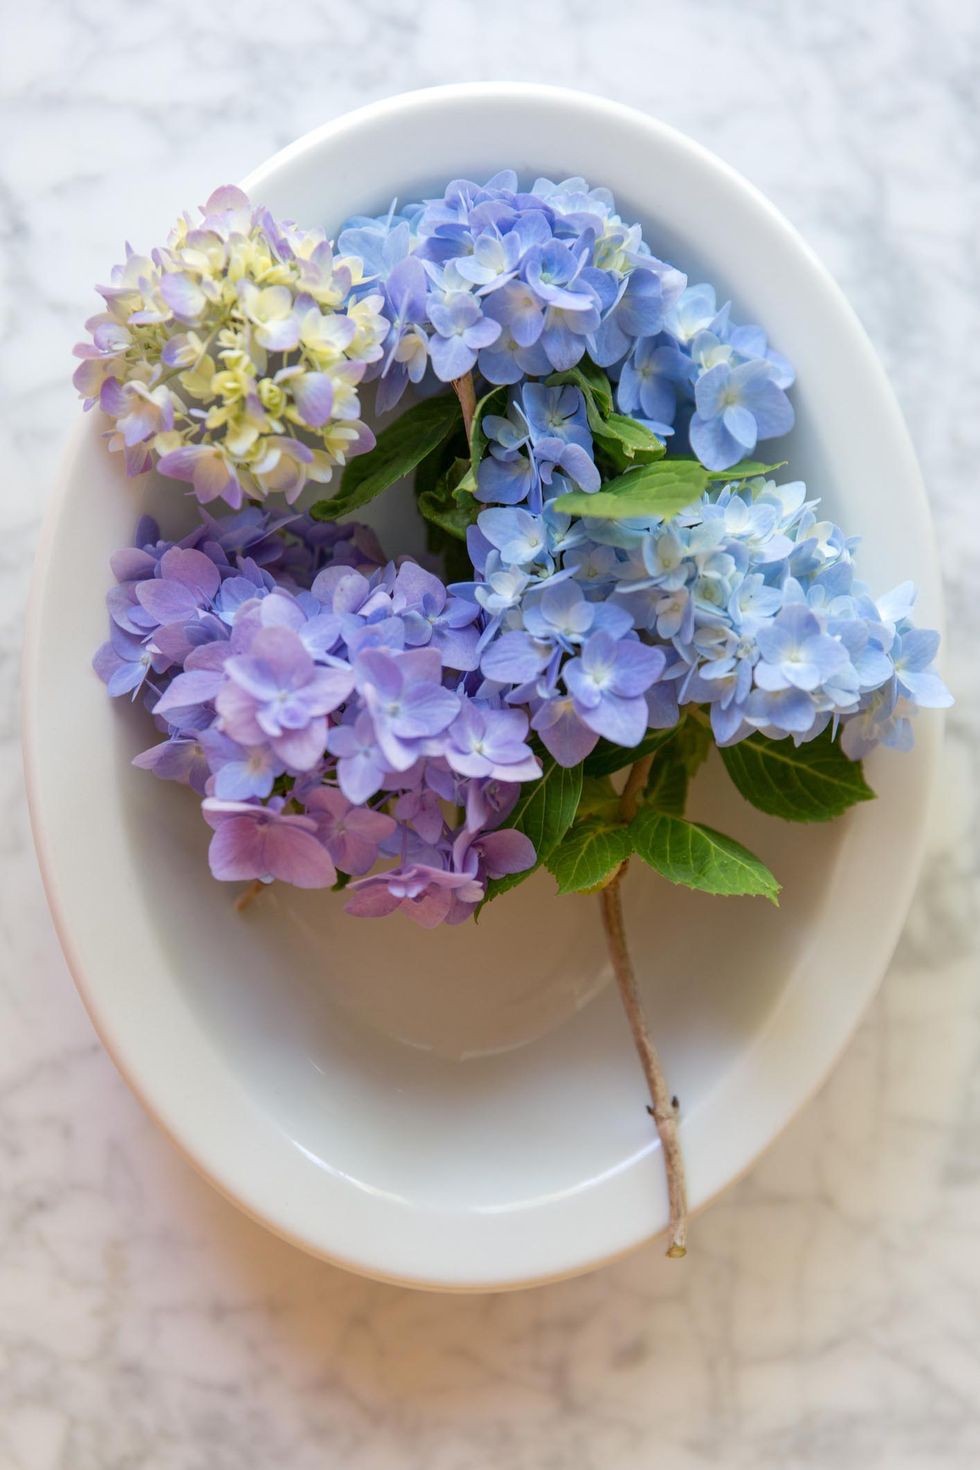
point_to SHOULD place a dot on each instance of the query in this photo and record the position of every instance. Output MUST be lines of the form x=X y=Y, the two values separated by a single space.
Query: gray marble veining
x=830 y=1314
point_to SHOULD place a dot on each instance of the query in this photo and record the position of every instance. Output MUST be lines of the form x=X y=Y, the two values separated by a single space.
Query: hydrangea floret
x=613 y=582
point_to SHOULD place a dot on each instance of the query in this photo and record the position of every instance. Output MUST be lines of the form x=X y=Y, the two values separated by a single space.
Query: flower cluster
x=520 y=285
x=232 y=355
x=352 y=721
x=747 y=603
x=541 y=448
x=326 y=707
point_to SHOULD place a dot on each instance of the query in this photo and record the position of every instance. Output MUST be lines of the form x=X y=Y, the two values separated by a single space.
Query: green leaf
x=592 y=382
x=667 y=787
x=599 y=799
x=619 y=438
x=749 y=469
x=677 y=761
x=692 y=741
x=608 y=758
x=493 y=402
x=698 y=857
x=806 y=783
x=447 y=513
x=618 y=449
x=400 y=447
x=588 y=854
x=545 y=810
x=439 y=461
x=635 y=438
x=660 y=489
x=450 y=504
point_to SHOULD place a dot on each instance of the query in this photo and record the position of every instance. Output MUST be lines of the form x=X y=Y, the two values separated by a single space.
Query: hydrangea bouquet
x=615 y=581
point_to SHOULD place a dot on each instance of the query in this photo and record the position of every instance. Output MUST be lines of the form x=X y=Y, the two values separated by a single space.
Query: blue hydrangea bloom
x=735 y=408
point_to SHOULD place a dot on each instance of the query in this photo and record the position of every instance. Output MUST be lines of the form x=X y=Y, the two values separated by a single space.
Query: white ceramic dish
x=462 y=1109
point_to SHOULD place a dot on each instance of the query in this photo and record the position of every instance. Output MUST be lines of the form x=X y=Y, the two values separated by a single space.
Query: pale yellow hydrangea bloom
x=232 y=356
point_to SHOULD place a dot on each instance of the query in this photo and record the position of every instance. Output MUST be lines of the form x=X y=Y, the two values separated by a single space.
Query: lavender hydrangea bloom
x=431 y=615
x=351 y=834
x=430 y=894
x=266 y=842
x=424 y=894
x=124 y=663
x=276 y=694
x=361 y=767
x=405 y=700
x=775 y=634
x=406 y=346
x=488 y=742
x=240 y=773
x=563 y=732
x=186 y=583
x=181 y=758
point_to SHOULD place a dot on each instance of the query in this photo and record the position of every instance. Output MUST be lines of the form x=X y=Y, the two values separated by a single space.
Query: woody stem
x=663 y=1106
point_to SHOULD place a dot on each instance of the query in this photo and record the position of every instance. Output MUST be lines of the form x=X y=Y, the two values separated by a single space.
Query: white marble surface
x=829 y=1315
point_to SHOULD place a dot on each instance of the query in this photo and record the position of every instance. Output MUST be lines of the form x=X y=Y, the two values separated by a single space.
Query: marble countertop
x=830 y=1314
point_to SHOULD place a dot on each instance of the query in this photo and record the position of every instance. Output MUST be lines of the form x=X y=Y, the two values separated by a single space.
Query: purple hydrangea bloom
x=562 y=730
x=182 y=758
x=488 y=742
x=340 y=711
x=352 y=834
x=431 y=615
x=275 y=694
x=266 y=842
x=424 y=894
x=240 y=773
x=125 y=663
x=404 y=697
x=184 y=587
x=361 y=767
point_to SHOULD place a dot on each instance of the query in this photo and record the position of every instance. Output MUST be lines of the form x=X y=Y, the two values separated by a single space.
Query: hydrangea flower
x=539 y=449
x=266 y=842
x=735 y=408
x=231 y=355
x=607 y=681
x=276 y=693
x=518 y=284
x=351 y=834
x=311 y=702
